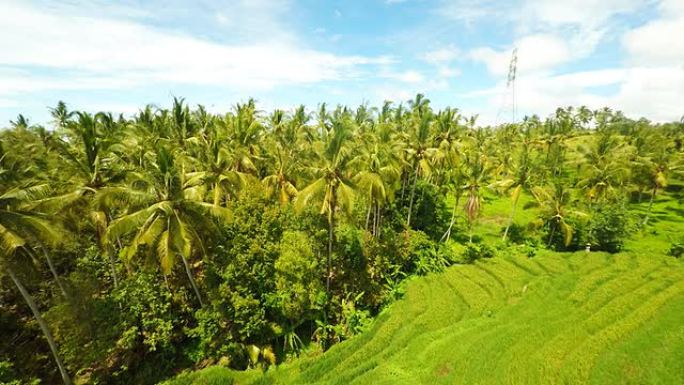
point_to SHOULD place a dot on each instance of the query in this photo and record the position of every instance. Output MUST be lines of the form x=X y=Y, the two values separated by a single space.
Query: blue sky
x=120 y=55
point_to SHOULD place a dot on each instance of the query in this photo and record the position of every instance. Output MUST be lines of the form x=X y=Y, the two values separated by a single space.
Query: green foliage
x=677 y=249
x=431 y=214
x=178 y=238
x=595 y=319
x=147 y=315
x=519 y=234
x=354 y=320
x=609 y=226
x=475 y=251
x=421 y=254
x=9 y=377
x=297 y=277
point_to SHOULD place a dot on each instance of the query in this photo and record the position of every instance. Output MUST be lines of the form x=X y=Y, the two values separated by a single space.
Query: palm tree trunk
x=192 y=280
x=510 y=219
x=413 y=193
x=650 y=206
x=376 y=219
x=107 y=248
x=217 y=194
x=551 y=234
x=404 y=177
x=331 y=237
x=54 y=273
x=52 y=270
x=112 y=265
x=370 y=208
x=166 y=281
x=380 y=217
x=43 y=326
x=447 y=234
x=331 y=231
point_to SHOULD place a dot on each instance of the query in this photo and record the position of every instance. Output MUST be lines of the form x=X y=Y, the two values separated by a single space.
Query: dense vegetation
x=553 y=319
x=179 y=239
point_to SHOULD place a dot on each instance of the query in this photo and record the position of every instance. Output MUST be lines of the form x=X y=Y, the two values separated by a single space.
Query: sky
x=118 y=56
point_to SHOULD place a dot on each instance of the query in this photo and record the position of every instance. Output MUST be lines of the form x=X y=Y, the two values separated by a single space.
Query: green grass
x=554 y=319
x=557 y=318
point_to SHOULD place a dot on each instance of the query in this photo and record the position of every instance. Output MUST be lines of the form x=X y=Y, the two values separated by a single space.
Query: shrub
x=429 y=214
x=677 y=249
x=518 y=234
x=608 y=227
x=554 y=236
x=422 y=254
x=297 y=276
x=475 y=251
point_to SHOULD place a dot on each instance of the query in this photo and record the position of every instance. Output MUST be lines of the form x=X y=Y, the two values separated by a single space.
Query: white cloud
x=442 y=60
x=80 y=52
x=641 y=91
x=581 y=24
x=442 y=55
x=222 y=18
x=657 y=42
x=470 y=11
x=448 y=72
x=585 y=13
x=535 y=53
x=409 y=76
x=672 y=7
x=8 y=103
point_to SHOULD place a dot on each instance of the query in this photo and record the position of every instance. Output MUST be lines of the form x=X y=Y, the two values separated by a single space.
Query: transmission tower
x=508 y=102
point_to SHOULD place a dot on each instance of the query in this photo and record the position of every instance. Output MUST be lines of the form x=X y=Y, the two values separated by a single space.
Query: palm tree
x=285 y=153
x=21 y=123
x=217 y=165
x=478 y=172
x=87 y=147
x=377 y=168
x=653 y=163
x=21 y=228
x=522 y=170
x=61 y=115
x=281 y=181
x=420 y=144
x=605 y=166
x=332 y=177
x=554 y=203
x=163 y=209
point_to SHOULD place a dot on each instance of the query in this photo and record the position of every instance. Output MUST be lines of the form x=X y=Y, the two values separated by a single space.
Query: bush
x=475 y=251
x=9 y=377
x=554 y=237
x=297 y=277
x=422 y=253
x=608 y=227
x=677 y=249
x=429 y=214
x=517 y=234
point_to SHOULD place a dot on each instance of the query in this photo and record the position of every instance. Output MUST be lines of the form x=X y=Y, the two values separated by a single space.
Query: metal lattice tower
x=508 y=102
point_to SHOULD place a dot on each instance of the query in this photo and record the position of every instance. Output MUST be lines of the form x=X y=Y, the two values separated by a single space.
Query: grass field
x=581 y=318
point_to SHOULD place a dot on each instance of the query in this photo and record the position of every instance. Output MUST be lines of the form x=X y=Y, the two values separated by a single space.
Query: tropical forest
x=388 y=244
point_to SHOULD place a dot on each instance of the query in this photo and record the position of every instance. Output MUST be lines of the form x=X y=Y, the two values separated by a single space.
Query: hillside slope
x=554 y=319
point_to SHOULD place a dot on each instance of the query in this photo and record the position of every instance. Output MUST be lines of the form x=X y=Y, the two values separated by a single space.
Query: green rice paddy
x=557 y=318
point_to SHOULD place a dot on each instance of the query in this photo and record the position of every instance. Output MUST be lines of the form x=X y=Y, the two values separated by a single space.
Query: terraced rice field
x=583 y=318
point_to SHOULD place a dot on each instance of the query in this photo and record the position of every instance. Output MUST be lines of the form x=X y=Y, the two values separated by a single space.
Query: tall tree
x=332 y=184
x=164 y=210
x=22 y=228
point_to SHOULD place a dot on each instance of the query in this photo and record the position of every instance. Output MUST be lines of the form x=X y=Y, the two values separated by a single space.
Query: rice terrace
x=358 y=192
